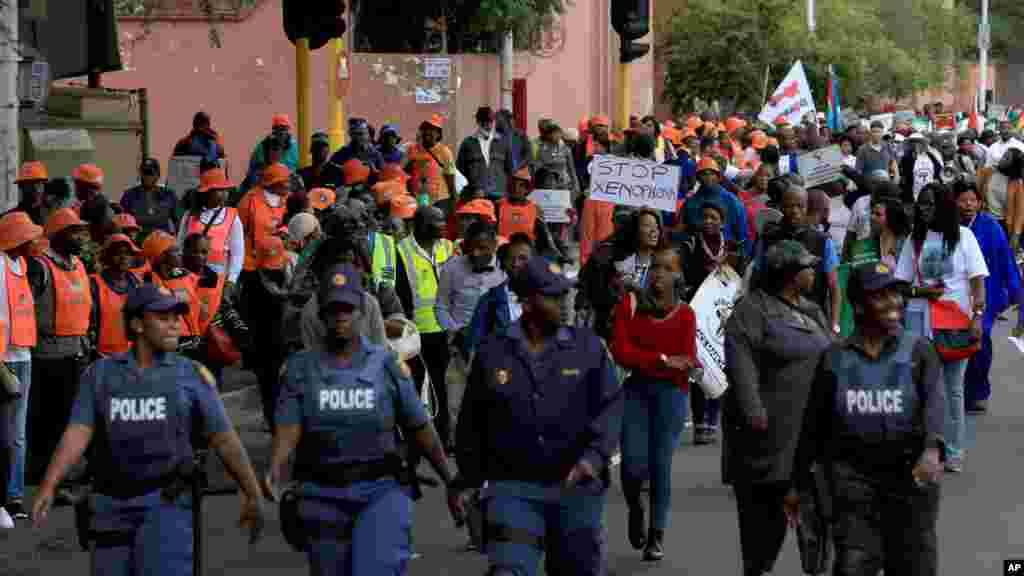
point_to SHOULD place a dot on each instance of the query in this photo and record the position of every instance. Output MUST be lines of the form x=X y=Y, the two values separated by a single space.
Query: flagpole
x=764 y=91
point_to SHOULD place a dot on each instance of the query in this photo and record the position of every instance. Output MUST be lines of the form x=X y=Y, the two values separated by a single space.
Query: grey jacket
x=771 y=352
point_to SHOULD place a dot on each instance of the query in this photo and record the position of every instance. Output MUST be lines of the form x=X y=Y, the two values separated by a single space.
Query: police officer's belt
x=342 y=475
x=171 y=484
x=509 y=535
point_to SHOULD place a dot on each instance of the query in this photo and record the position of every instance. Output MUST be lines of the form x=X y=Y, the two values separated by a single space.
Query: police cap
x=342 y=286
x=151 y=298
x=544 y=277
x=870 y=278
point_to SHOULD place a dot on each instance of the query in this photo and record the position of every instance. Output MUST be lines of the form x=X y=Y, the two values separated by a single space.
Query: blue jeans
x=956 y=429
x=651 y=425
x=16 y=484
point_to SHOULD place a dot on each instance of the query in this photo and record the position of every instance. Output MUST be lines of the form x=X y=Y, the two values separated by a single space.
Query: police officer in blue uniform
x=146 y=409
x=351 y=510
x=874 y=422
x=541 y=418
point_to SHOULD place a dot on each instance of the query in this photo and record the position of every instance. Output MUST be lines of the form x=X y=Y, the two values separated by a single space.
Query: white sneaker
x=6 y=522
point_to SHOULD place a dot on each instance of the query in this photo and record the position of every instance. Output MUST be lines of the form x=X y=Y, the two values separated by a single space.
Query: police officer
x=339 y=409
x=874 y=422
x=143 y=407
x=541 y=418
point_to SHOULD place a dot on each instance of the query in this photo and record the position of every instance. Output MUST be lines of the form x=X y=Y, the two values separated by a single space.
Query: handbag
x=10 y=386
x=220 y=348
x=951 y=331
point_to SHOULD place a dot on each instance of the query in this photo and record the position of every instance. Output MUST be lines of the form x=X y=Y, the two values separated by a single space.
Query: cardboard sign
x=183 y=173
x=554 y=204
x=712 y=305
x=821 y=166
x=634 y=182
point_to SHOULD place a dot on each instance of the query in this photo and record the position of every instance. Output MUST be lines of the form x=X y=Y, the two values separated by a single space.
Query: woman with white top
x=221 y=224
x=645 y=228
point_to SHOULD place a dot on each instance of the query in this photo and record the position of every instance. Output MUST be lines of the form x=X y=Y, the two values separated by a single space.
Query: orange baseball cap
x=125 y=221
x=321 y=198
x=273 y=255
x=120 y=239
x=215 y=179
x=355 y=172
x=16 y=228
x=435 y=120
x=61 y=219
x=280 y=120
x=392 y=172
x=708 y=164
x=758 y=139
x=694 y=122
x=481 y=207
x=32 y=172
x=403 y=207
x=522 y=174
x=733 y=124
x=385 y=191
x=275 y=174
x=88 y=173
x=600 y=121
x=156 y=244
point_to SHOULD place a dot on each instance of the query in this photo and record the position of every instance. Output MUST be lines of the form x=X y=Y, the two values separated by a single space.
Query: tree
x=524 y=18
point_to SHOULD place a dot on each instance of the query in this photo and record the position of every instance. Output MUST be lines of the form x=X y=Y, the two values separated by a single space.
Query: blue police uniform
x=357 y=516
x=144 y=419
x=526 y=421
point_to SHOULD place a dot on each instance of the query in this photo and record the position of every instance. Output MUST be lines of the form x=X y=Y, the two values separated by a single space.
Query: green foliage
x=523 y=17
x=1006 y=18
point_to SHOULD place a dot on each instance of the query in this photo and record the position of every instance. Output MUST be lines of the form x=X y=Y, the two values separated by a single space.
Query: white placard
x=427 y=96
x=437 y=67
x=554 y=204
x=712 y=305
x=821 y=166
x=792 y=100
x=634 y=182
x=183 y=173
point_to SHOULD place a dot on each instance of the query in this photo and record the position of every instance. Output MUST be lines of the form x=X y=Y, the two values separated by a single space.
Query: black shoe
x=637 y=525
x=17 y=510
x=655 y=551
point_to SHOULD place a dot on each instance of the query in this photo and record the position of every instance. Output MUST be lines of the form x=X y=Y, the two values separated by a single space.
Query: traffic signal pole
x=335 y=99
x=623 y=96
x=303 y=100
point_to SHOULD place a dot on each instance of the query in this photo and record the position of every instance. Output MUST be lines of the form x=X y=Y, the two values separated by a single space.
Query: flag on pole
x=791 y=101
x=835 y=118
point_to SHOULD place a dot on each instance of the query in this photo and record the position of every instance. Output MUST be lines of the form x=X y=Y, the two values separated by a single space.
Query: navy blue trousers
x=977 y=386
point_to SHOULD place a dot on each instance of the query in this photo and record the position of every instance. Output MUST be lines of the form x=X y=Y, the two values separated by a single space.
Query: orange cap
x=403 y=207
x=392 y=172
x=275 y=174
x=121 y=239
x=16 y=228
x=385 y=191
x=758 y=139
x=281 y=120
x=321 y=198
x=355 y=172
x=733 y=124
x=156 y=244
x=435 y=120
x=125 y=221
x=781 y=121
x=708 y=164
x=600 y=121
x=32 y=172
x=88 y=173
x=694 y=122
x=522 y=174
x=273 y=255
x=61 y=219
x=214 y=179
x=480 y=207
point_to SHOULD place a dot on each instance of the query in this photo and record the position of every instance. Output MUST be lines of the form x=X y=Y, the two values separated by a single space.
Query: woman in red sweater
x=655 y=338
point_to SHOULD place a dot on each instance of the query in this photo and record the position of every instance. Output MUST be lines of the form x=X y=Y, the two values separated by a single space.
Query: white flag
x=792 y=100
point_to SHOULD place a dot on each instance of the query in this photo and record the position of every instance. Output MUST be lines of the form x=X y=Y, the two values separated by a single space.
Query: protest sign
x=792 y=100
x=821 y=166
x=634 y=182
x=554 y=204
x=183 y=173
x=712 y=305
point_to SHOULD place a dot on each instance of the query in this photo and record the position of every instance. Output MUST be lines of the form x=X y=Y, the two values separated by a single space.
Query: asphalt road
x=981 y=520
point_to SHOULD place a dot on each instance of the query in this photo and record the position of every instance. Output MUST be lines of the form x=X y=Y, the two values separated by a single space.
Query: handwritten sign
x=821 y=166
x=554 y=204
x=712 y=305
x=634 y=182
x=183 y=173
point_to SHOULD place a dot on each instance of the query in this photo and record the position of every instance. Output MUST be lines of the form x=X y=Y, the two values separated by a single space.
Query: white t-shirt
x=839 y=218
x=860 y=217
x=924 y=173
x=953 y=272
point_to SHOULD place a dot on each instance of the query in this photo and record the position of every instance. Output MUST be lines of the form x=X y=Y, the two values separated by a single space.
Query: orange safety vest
x=260 y=222
x=113 y=339
x=185 y=290
x=517 y=219
x=209 y=302
x=72 y=298
x=217 y=233
x=22 y=309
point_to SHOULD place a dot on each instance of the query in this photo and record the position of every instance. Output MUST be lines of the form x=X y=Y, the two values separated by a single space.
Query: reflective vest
x=185 y=290
x=260 y=222
x=383 y=265
x=72 y=298
x=21 y=307
x=113 y=339
x=209 y=302
x=875 y=401
x=517 y=219
x=218 y=234
x=422 y=276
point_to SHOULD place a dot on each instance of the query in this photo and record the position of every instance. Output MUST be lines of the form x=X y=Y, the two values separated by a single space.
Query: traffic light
x=632 y=20
x=318 y=20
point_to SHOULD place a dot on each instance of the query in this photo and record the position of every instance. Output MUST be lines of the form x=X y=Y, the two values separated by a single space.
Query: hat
x=156 y=244
x=321 y=198
x=484 y=113
x=733 y=124
x=600 y=121
x=694 y=122
x=215 y=179
x=789 y=256
x=355 y=172
x=392 y=172
x=357 y=123
x=708 y=163
x=272 y=254
x=522 y=174
x=388 y=189
x=121 y=239
x=61 y=219
x=758 y=140
x=403 y=207
x=544 y=277
x=870 y=278
x=16 y=228
x=275 y=174
x=150 y=166
x=152 y=298
x=436 y=121
x=342 y=286
x=301 y=226
x=32 y=172
x=125 y=221
x=390 y=129
x=88 y=173
x=916 y=136
x=280 y=121
x=480 y=207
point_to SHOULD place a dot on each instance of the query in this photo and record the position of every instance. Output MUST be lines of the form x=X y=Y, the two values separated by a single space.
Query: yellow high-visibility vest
x=423 y=280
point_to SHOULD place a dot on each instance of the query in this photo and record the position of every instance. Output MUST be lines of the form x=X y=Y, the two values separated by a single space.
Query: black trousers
x=434 y=354
x=762 y=524
x=262 y=313
x=883 y=525
x=53 y=392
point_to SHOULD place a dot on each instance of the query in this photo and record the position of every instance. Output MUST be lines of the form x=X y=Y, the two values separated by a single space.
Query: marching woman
x=110 y=289
x=655 y=337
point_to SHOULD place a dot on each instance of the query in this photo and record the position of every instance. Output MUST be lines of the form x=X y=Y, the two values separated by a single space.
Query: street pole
x=811 y=22
x=983 y=45
x=303 y=99
x=335 y=98
x=507 y=63
x=9 y=61
x=624 y=95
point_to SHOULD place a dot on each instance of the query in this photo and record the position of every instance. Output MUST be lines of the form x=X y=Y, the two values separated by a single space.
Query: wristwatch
x=663 y=359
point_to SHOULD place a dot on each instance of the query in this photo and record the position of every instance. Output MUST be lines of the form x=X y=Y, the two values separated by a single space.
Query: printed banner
x=821 y=166
x=792 y=100
x=634 y=182
x=554 y=204
x=712 y=305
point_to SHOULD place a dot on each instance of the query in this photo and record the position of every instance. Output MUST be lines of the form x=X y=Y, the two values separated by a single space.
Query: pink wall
x=251 y=77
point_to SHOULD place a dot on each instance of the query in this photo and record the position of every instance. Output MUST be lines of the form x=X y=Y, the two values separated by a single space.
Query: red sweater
x=640 y=340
